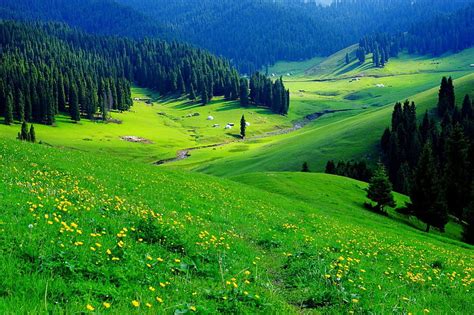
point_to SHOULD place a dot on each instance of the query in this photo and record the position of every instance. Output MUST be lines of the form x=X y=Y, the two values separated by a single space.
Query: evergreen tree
x=380 y=189
x=456 y=174
x=204 y=96
x=305 y=168
x=32 y=134
x=74 y=104
x=330 y=167
x=467 y=110
x=192 y=93
x=243 y=127
x=9 y=109
x=20 y=105
x=24 y=134
x=425 y=192
x=347 y=59
x=244 y=92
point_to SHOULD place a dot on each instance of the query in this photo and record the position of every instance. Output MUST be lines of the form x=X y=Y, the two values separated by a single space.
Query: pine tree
x=9 y=109
x=74 y=104
x=24 y=134
x=192 y=93
x=20 y=106
x=425 y=192
x=244 y=92
x=305 y=168
x=467 y=110
x=347 y=59
x=243 y=127
x=330 y=167
x=204 y=96
x=32 y=134
x=380 y=189
x=456 y=178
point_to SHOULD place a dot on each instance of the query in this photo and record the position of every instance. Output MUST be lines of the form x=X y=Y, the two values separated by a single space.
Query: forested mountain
x=257 y=33
x=95 y=16
x=442 y=33
x=51 y=68
x=249 y=33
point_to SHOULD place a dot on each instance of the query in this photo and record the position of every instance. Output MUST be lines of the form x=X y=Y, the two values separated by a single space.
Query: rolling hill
x=76 y=237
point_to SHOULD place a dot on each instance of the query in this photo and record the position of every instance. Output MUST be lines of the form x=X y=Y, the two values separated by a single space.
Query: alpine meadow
x=237 y=157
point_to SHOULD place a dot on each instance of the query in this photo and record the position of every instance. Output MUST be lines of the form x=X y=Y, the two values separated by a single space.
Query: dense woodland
x=449 y=32
x=432 y=161
x=50 y=68
x=264 y=92
x=250 y=33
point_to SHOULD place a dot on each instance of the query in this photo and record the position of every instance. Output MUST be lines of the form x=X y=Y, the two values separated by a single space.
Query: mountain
x=258 y=33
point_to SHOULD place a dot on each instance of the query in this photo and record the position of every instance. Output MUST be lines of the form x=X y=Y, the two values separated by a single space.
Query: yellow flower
x=355 y=301
x=151 y=288
x=106 y=305
x=177 y=260
x=148 y=304
x=193 y=308
x=162 y=285
x=135 y=303
x=160 y=300
x=90 y=307
x=426 y=310
x=109 y=252
x=247 y=272
x=160 y=259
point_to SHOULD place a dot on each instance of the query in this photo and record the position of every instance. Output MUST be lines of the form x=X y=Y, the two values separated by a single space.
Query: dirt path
x=185 y=153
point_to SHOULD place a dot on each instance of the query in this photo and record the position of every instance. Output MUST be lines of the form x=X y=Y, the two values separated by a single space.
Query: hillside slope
x=82 y=232
x=347 y=135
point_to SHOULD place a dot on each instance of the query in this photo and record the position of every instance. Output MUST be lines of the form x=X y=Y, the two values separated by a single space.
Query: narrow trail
x=185 y=153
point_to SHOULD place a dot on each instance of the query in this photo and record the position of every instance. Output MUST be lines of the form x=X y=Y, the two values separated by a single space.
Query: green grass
x=346 y=135
x=165 y=123
x=215 y=245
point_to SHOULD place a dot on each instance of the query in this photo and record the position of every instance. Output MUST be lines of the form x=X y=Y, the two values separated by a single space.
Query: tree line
x=432 y=161
x=50 y=68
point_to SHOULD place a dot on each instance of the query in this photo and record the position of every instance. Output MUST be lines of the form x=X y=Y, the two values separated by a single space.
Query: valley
x=236 y=157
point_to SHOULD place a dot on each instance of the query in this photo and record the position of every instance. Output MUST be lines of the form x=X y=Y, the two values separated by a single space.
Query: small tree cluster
x=27 y=135
x=353 y=169
x=432 y=161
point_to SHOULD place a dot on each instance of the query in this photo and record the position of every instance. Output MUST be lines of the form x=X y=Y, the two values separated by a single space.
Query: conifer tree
x=456 y=178
x=305 y=168
x=192 y=93
x=244 y=92
x=330 y=167
x=204 y=96
x=467 y=110
x=20 y=106
x=74 y=104
x=425 y=192
x=9 y=109
x=243 y=127
x=347 y=59
x=32 y=135
x=380 y=189
x=24 y=134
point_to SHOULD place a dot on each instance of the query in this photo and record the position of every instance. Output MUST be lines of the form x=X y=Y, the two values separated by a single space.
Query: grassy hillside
x=345 y=135
x=82 y=232
x=166 y=125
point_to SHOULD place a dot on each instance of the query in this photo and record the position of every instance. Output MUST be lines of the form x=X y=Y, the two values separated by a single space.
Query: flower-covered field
x=82 y=233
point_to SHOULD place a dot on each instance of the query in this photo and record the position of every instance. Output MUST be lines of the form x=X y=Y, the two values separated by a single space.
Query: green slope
x=347 y=135
x=79 y=229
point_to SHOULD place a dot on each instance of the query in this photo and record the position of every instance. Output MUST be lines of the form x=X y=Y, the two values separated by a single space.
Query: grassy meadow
x=86 y=233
